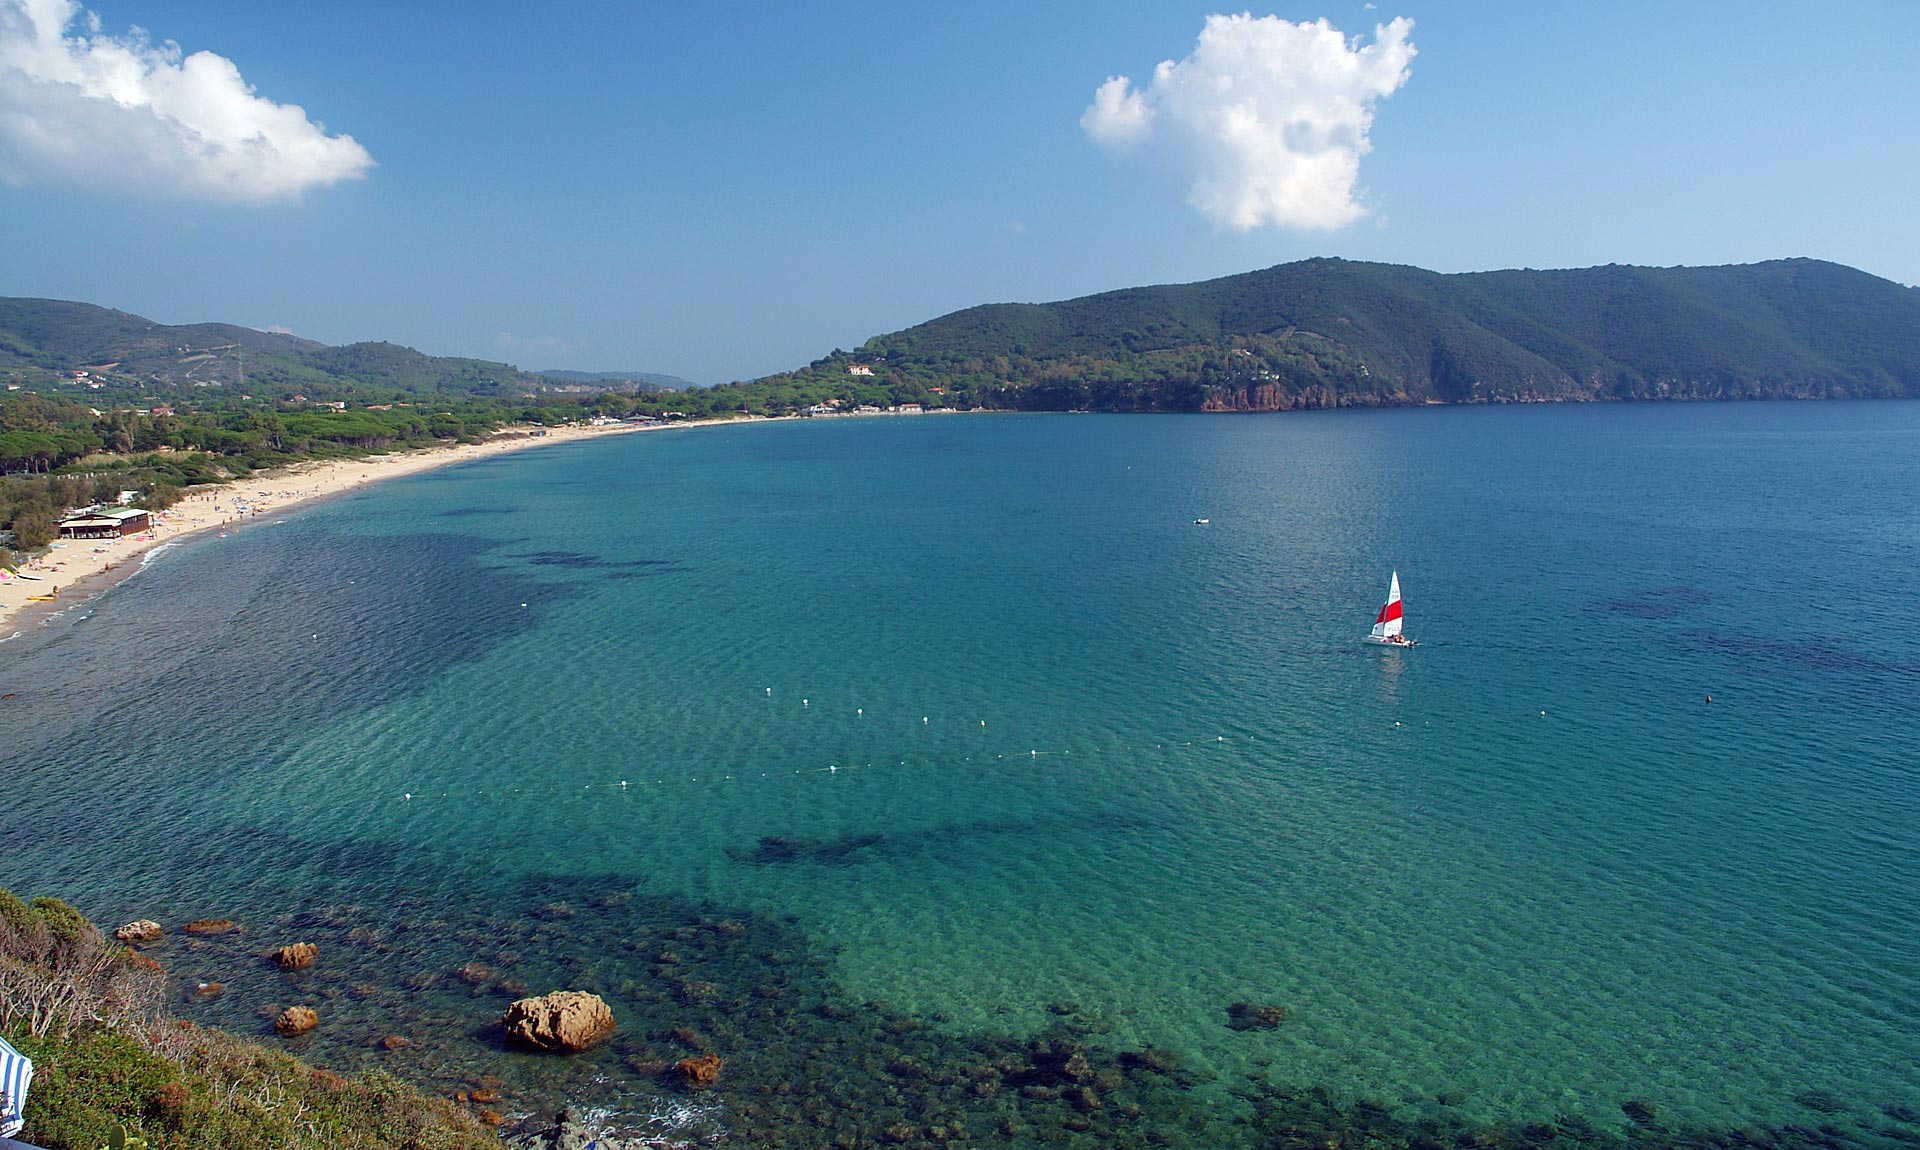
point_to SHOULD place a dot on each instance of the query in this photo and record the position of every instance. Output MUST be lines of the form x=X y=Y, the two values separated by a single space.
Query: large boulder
x=140 y=933
x=564 y=1022
x=296 y=1020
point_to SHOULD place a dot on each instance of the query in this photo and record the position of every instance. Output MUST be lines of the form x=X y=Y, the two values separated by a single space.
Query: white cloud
x=79 y=107
x=1265 y=122
x=1118 y=115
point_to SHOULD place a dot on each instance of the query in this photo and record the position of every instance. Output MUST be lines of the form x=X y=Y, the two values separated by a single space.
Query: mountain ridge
x=44 y=339
x=1331 y=332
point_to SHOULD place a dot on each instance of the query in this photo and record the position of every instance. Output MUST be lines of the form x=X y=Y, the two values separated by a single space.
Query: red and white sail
x=1386 y=624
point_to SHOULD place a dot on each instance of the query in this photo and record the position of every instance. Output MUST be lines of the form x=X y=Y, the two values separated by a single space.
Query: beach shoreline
x=74 y=571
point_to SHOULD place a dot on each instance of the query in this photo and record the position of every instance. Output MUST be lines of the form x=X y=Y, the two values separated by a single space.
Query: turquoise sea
x=958 y=740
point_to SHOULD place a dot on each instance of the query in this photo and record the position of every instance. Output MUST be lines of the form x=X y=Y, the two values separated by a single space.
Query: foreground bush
x=212 y=1091
x=86 y=1011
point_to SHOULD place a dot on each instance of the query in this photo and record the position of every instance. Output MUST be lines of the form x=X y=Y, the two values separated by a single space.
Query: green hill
x=1330 y=332
x=45 y=342
x=644 y=380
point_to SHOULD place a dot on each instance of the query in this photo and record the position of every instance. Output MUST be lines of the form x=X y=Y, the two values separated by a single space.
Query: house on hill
x=859 y=369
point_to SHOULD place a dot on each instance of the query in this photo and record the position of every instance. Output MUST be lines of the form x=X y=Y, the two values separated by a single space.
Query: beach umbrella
x=15 y=1075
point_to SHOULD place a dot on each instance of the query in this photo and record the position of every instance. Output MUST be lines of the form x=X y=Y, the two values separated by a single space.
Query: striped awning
x=16 y=1074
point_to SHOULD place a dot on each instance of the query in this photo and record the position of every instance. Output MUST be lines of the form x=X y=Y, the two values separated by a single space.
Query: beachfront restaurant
x=99 y=523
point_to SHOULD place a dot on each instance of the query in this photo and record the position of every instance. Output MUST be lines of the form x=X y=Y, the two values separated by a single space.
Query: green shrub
x=225 y=1092
x=62 y=920
x=84 y=1087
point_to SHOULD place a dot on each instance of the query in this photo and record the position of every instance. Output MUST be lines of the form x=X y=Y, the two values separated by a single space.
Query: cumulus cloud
x=81 y=107
x=1265 y=122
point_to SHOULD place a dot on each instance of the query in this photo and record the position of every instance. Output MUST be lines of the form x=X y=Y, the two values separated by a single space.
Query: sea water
x=978 y=718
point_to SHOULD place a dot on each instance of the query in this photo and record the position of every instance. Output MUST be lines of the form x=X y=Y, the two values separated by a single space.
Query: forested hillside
x=45 y=343
x=1329 y=332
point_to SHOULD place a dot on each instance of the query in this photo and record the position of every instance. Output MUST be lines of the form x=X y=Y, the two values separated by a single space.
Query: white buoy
x=923 y=718
x=769 y=690
x=858 y=711
x=804 y=703
x=523 y=606
x=833 y=770
x=408 y=796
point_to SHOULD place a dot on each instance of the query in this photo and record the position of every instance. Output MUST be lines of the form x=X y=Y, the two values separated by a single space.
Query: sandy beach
x=74 y=569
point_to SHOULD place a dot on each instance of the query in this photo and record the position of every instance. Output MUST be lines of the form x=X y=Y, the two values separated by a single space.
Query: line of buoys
x=1033 y=755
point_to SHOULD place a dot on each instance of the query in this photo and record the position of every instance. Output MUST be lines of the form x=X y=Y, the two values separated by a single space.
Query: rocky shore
x=680 y=1023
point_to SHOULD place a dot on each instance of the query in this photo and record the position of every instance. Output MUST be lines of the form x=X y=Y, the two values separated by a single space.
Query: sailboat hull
x=1389 y=642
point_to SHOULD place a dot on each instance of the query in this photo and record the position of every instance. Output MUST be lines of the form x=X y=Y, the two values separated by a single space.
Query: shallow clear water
x=977 y=703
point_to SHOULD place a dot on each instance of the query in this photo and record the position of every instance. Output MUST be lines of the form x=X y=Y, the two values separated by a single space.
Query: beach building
x=105 y=523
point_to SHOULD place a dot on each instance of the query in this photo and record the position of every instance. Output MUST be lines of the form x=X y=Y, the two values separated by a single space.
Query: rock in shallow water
x=296 y=1020
x=140 y=932
x=565 y=1021
x=702 y=1070
x=1255 y=1016
x=297 y=956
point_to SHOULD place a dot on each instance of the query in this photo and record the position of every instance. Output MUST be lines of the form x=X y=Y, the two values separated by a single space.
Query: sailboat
x=1387 y=624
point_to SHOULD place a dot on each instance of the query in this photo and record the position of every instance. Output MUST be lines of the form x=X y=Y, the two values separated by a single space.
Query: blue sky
x=720 y=191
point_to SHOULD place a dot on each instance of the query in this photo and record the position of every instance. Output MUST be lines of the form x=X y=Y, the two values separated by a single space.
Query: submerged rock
x=211 y=926
x=1255 y=1016
x=296 y=1020
x=566 y=1130
x=1151 y=1059
x=297 y=956
x=701 y=1070
x=140 y=932
x=566 y=1021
